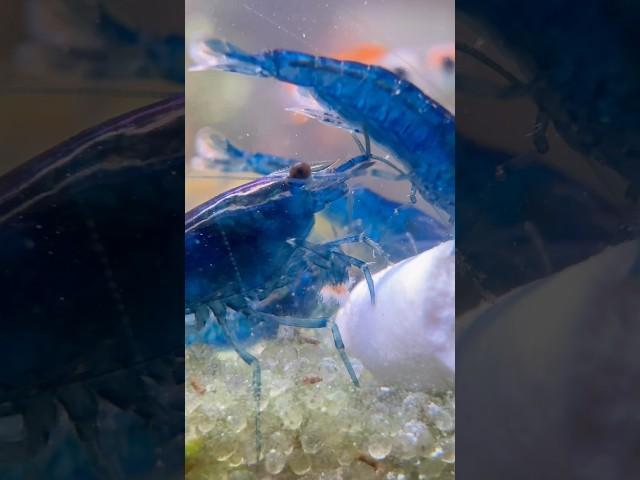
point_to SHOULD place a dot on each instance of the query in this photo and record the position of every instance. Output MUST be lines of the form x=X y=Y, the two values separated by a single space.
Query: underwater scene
x=319 y=240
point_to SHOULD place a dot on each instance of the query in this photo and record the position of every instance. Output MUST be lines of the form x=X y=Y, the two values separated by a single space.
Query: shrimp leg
x=317 y=323
x=219 y=312
x=336 y=262
x=517 y=88
x=366 y=151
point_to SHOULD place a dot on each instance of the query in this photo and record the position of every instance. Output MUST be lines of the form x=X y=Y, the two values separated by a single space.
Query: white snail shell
x=408 y=337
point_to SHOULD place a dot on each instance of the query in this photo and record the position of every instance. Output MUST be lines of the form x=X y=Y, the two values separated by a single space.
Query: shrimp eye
x=300 y=171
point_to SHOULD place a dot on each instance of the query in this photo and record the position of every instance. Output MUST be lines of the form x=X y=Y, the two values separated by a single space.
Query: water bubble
x=429 y=468
x=280 y=442
x=299 y=463
x=274 y=462
x=279 y=385
x=391 y=476
x=223 y=446
x=395 y=476
x=440 y=417
x=328 y=369
x=346 y=453
x=287 y=355
x=241 y=475
x=205 y=426
x=405 y=446
x=448 y=447
x=380 y=423
x=293 y=419
x=336 y=400
x=314 y=399
x=379 y=446
x=421 y=434
x=236 y=420
x=282 y=405
x=311 y=438
x=413 y=405
x=236 y=459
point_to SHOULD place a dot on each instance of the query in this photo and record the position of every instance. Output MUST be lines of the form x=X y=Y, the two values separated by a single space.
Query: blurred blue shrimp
x=370 y=99
x=401 y=230
x=213 y=151
x=84 y=36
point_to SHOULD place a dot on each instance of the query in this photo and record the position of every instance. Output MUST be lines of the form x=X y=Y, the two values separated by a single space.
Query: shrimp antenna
x=489 y=62
x=365 y=149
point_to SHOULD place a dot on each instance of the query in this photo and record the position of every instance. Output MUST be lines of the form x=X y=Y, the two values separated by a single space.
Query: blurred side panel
x=548 y=264
x=91 y=263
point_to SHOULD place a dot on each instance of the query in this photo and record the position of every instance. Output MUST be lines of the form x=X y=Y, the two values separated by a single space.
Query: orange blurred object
x=371 y=54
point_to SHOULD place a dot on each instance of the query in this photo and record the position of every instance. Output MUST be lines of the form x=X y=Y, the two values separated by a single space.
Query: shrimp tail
x=215 y=151
x=215 y=54
x=211 y=144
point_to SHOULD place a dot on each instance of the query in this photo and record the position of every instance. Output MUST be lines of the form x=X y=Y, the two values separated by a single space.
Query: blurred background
x=544 y=159
x=66 y=65
x=74 y=399
x=547 y=184
x=414 y=35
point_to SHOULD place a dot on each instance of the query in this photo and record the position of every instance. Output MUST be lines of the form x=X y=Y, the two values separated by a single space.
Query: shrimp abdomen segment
x=393 y=111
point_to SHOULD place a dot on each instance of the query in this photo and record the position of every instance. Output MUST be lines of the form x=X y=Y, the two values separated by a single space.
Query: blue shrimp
x=310 y=267
x=399 y=229
x=244 y=330
x=238 y=246
x=393 y=111
x=216 y=152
